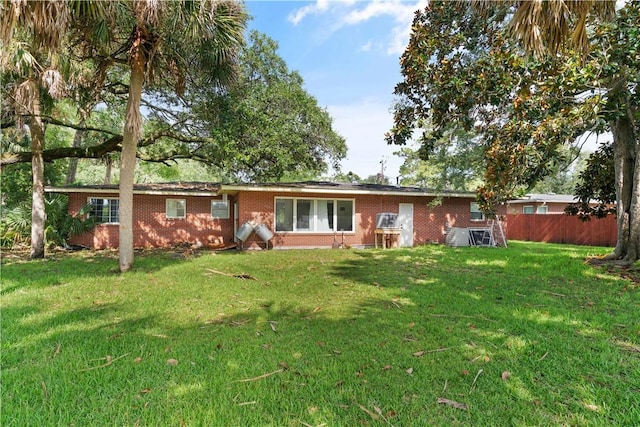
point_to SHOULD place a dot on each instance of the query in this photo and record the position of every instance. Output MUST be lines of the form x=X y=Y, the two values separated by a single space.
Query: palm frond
x=52 y=80
x=549 y=25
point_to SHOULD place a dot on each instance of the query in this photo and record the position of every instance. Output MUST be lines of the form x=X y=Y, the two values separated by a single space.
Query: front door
x=405 y=221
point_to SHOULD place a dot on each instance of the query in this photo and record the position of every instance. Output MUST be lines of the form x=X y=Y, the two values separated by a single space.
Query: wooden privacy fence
x=562 y=229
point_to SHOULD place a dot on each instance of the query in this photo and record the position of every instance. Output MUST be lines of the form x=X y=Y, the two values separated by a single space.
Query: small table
x=385 y=233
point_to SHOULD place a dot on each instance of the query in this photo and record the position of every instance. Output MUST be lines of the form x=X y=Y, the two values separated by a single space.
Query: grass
x=528 y=335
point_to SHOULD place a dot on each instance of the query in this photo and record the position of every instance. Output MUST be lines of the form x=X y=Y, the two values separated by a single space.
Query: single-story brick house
x=541 y=204
x=299 y=215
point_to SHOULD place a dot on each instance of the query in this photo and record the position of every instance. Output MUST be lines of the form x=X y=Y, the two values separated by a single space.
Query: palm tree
x=32 y=35
x=166 y=40
x=162 y=42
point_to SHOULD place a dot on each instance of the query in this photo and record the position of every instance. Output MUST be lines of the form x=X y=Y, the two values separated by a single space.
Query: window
x=542 y=210
x=220 y=209
x=527 y=210
x=176 y=208
x=324 y=215
x=314 y=215
x=284 y=214
x=345 y=215
x=476 y=213
x=105 y=210
x=304 y=215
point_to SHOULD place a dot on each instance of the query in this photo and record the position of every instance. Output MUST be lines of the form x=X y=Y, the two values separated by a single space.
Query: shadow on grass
x=420 y=324
x=60 y=267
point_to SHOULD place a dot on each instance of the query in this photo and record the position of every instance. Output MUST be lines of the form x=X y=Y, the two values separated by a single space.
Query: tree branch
x=57 y=122
x=110 y=145
x=93 y=152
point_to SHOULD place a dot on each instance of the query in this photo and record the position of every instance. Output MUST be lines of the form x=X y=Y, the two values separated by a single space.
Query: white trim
x=230 y=189
x=477 y=210
x=166 y=208
x=223 y=200
x=116 y=191
x=110 y=199
x=314 y=220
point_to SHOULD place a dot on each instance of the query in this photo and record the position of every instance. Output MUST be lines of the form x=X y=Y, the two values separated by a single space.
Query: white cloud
x=373 y=10
x=399 y=40
x=363 y=125
x=351 y=13
x=320 y=6
x=367 y=46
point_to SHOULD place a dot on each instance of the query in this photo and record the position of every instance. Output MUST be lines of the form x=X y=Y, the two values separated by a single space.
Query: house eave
x=115 y=191
x=233 y=189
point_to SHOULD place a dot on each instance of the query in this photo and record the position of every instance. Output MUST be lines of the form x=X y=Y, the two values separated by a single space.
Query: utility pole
x=381 y=174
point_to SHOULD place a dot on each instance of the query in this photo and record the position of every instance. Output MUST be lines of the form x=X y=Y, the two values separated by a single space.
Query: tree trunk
x=107 y=173
x=626 y=152
x=633 y=254
x=38 y=216
x=73 y=162
x=130 y=137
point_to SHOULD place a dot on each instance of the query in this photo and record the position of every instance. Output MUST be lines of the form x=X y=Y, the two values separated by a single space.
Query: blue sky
x=348 y=55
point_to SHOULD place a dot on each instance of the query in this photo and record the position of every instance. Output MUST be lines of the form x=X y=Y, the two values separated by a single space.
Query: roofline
x=524 y=201
x=235 y=188
x=53 y=189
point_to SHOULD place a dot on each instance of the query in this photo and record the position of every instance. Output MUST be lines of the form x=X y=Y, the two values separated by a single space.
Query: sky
x=348 y=53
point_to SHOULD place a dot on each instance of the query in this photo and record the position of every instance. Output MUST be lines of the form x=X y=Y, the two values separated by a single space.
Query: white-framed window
x=105 y=210
x=528 y=210
x=476 y=213
x=176 y=208
x=314 y=215
x=542 y=210
x=220 y=209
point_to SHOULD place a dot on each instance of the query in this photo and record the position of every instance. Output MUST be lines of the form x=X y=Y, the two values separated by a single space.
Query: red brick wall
x=429 y=223
x=153 y=229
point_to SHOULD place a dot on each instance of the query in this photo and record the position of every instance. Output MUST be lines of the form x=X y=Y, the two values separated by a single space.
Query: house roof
x=325 y=187
x=215 y=189
x=545 y=198
x=166 y=188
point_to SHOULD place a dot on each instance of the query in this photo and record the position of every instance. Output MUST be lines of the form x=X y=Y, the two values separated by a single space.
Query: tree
x=454 y=163
x=267 y=126
x=32 y=35
x=565 y=174
x=597 y=182
x=163 y=42
x=464 y=72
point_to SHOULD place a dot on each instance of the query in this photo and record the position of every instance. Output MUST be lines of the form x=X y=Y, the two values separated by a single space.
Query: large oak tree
x=463 y=68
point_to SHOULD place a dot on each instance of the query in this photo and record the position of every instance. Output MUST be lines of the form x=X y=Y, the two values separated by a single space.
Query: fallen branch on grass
x=373 y=415
x=555 y=294
x=423 y=352
x=109 y=360
x=452 y=403
x=259 y=377
x=237 y=276
x=473 y=385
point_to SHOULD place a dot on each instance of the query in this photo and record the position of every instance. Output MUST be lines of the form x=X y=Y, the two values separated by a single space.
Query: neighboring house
x=527 y=219
x=540 y=204
x=301 y=215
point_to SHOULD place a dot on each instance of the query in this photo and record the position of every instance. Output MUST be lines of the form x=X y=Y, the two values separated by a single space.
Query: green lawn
x=528 y=335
